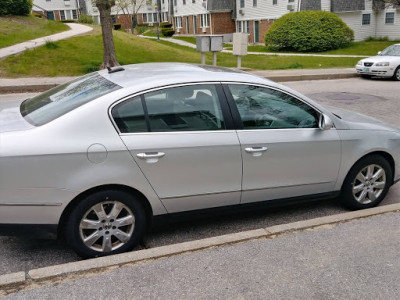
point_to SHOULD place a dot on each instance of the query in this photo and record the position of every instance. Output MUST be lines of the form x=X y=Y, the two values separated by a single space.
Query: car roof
x=149 y=75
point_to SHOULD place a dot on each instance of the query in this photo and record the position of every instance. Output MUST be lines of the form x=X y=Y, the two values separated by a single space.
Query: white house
x=57 y=9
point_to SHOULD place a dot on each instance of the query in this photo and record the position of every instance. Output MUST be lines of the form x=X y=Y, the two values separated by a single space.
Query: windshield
x=393 y=50
x=56 y=102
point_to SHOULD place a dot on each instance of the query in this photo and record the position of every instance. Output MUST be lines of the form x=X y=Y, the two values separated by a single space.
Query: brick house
x=193 y=17
x=57 y=9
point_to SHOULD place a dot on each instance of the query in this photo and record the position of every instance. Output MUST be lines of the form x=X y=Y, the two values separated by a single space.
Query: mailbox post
x=240 y=46
x=203 y=46
x=207 y=43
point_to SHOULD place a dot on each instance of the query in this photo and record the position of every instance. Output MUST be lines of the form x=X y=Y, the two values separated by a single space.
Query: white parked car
x=102 y=155
x=385 y=64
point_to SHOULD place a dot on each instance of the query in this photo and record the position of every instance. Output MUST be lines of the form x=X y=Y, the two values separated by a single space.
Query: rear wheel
x=367 y=183
x=104 y=223
x=396 y=75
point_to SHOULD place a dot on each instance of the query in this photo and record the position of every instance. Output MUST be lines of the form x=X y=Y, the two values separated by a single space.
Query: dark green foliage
x=51 y=45
x=117 y=26
x=15 y=7
x=165 y=25
x=312 y=31
x=68 y=21
x=167 y=32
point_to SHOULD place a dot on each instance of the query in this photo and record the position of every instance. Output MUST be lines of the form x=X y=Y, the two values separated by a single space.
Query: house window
x=178 y=22
x=144 y=18
x=175 y=2
x=242 y=3
x=204 y=20
x=274 y=2
x=389 y=18
x=254 y=3
x=74 y=14
x=243 y=26
x=366 y=19
x=184 y=2
x=62 y=15
x=155 y=19
x=291 y=1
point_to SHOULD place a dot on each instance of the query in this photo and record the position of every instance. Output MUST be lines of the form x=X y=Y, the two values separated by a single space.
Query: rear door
x=183 y=140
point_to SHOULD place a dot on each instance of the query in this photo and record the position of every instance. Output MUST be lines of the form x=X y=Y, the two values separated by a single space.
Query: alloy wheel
x=369 y=184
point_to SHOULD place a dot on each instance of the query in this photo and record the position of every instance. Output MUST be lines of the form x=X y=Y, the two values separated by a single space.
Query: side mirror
x=325 y=123
x=380 y=53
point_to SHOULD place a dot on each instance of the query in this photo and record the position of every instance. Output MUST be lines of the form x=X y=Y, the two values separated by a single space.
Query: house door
x=256 y=31
x=50 y=15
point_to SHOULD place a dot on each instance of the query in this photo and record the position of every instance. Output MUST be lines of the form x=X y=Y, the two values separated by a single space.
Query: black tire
x=106 y=229
x=396 y=75
x=350 y=194
x=366 y=76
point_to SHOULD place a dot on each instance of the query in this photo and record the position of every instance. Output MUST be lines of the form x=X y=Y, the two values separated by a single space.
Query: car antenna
x=117 y=69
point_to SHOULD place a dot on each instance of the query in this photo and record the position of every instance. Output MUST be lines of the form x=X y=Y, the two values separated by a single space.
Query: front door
x=184 y=145
x=256 y=31
x=285 y=153
x=50 y=15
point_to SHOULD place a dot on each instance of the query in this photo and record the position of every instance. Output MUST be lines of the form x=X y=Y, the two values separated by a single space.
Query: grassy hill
x=83 y=54
x=16 y=29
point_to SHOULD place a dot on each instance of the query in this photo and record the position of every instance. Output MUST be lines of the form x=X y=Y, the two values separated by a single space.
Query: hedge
x=312 y=31
x=15 y=7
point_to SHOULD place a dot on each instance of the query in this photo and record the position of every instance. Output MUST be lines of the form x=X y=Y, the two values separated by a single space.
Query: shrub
x=117 y=26
x=51 y=45
x=68 y=21
x=85 y=19
x=308 y=31
x=377 y=39
x=165 y=25
x=140 y=28
x=167 y=32
x=15 y=7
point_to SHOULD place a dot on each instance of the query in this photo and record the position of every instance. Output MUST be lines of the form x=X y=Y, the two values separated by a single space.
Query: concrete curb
x=15 y=280
x=34 y=87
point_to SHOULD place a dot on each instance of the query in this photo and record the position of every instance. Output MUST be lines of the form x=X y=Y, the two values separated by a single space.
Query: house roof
x=346 y=5
x=216 y=5
x=310 y=5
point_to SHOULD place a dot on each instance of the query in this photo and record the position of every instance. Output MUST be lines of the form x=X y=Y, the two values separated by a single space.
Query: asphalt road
x=378 y=98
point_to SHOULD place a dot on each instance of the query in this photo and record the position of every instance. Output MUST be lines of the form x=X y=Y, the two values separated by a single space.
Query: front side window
x=393 y=50
x=389 y=18
x=62 y=99
x=366 y=19
x=186 y=108
x=264 y=108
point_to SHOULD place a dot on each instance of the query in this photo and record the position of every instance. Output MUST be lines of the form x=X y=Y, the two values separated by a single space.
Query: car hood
x=12 y=120
x=382 y=58
x=357 y=121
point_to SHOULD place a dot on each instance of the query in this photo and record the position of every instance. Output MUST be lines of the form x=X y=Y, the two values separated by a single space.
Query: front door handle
x=151 y=157
x=256 y=151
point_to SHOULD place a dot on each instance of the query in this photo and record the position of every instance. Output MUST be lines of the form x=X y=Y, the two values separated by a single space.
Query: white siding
x=354 y=21
x=326 y=5
x=264 y=10
x=55 y=4
x=390 y=30
x=189 y=8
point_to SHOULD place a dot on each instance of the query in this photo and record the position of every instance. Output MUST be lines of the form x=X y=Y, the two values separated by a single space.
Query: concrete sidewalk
x=75 y=29
x=353 y=255
x=26 y=85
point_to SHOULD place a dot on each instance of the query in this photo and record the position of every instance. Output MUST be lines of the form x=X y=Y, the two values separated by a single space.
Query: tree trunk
x=109 y=58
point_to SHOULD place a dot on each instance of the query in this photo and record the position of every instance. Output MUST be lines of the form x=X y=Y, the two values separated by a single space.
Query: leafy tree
x=130 y=8
x=109 y=57
x=308 y=31
x=15 y=7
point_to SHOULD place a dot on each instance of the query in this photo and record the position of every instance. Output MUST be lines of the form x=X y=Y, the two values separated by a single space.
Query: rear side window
x=62 y=99
x=185 y=108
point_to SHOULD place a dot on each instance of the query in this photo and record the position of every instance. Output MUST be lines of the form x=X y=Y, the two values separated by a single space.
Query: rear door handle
x=151 y=157
x=256 y=151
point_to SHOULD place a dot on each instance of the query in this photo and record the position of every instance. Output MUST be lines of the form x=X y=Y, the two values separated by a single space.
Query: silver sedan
x=102 y=155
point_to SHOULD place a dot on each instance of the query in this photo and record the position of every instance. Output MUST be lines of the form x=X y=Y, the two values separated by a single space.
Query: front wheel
x=104 y=223
x=367 y=183
x=396 y=75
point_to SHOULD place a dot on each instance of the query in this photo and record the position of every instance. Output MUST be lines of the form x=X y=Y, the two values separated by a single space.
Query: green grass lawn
x=16 y=29
x=83 y=54
x=368 y=48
